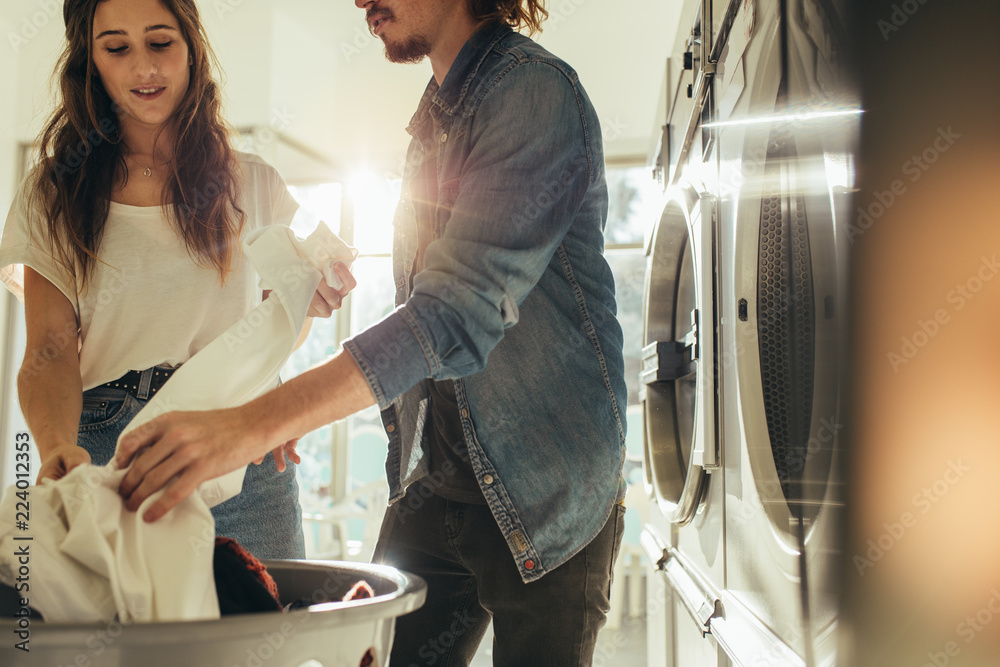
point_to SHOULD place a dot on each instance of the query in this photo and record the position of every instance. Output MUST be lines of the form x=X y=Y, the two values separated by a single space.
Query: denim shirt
x=515 y=301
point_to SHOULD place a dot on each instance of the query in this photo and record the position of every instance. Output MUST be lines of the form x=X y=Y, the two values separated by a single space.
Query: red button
x=529 y=565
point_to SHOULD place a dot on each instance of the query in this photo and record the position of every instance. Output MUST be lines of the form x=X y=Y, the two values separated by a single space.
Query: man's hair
x=517 y=14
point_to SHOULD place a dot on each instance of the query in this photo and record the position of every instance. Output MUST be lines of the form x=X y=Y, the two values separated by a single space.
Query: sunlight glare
x=375 y=201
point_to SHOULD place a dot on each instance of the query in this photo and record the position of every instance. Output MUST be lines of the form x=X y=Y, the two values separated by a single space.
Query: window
x=633 y=208
x=341 y=458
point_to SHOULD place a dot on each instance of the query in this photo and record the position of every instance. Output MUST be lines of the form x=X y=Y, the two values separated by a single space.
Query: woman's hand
x=61 y=460
x=329 y=298
x=286 y=450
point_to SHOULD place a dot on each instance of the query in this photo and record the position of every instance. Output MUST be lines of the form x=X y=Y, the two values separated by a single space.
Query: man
x=500 y=374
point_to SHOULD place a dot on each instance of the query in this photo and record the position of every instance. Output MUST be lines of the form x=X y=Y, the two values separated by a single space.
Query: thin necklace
x=147 y=171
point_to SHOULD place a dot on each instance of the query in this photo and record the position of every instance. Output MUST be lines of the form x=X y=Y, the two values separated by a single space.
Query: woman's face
x=142 y=58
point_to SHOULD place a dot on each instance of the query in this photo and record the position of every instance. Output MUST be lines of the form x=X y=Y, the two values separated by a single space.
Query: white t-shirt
x=148 y=303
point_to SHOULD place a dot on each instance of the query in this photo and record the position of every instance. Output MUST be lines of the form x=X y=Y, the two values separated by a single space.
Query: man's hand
x=178 y=451
x=61 y=460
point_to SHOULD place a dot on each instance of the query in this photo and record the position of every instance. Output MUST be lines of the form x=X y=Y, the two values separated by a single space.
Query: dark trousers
x=471 y=578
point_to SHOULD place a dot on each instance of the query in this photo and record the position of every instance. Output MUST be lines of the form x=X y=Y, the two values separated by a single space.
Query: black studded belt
x=142 y=384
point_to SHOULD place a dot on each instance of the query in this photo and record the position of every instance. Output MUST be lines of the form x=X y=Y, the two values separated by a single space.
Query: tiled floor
x=622 y=647
x=625 y=647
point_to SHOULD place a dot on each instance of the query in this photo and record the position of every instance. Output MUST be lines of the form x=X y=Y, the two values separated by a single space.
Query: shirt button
x=529 y=565
x=408 y=266
x=390 y=428
x=465 y=413
x=444 y=137
x=488 y=479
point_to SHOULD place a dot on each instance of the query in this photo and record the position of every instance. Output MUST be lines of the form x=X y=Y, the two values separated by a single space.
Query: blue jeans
x=265 y=518
x=472 y=578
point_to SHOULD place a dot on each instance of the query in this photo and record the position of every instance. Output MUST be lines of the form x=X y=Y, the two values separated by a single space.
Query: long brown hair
x=516 y=13
x=82 y=157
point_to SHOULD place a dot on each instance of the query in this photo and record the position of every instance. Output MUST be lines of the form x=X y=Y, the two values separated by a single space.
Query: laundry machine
x=685 y=533
x=744 y=326
x=679 y=388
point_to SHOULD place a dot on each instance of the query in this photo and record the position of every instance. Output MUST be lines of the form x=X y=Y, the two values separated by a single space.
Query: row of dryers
x=744 y=330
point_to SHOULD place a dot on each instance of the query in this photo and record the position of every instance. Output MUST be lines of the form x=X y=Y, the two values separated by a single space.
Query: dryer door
x=788 y=144
x=790 y=265
x=795 y=362
x=677 y=387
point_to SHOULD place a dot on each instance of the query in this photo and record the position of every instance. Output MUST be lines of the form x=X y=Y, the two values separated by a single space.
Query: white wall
x=242 y=37
x=303 y=90
x=9 y=134
x=619 y=49
x=43 y=36
x=357 y=104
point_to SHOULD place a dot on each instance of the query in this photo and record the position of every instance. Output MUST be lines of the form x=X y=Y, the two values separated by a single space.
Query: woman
x=129 y=232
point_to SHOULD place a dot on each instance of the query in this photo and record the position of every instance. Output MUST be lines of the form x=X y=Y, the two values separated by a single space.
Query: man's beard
x=413 y=50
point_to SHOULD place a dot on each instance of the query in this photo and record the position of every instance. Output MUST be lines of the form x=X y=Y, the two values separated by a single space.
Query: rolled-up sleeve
x=528 y=169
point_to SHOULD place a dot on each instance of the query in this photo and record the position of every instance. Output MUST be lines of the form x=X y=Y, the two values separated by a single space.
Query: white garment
x=244 y=362
x=90 y=559
x=148 y=304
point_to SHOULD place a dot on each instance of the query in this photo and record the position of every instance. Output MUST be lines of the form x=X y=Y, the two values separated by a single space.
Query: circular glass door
x=789 y=368
x=669 y=387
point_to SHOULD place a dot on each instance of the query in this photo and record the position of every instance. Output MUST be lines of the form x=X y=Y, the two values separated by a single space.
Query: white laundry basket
x=327 y=633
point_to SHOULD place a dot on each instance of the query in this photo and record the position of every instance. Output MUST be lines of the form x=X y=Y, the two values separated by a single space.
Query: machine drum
x=785 y=320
